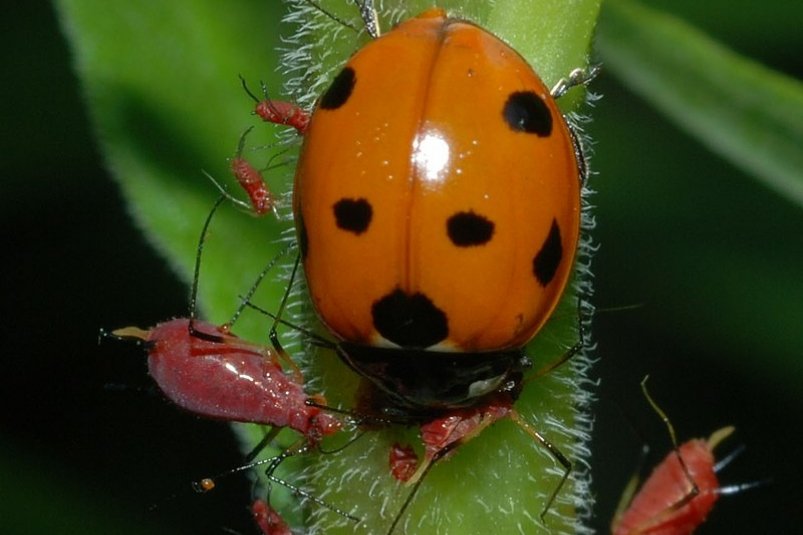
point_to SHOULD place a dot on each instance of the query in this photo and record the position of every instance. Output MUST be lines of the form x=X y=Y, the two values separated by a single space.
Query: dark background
x=86 y=443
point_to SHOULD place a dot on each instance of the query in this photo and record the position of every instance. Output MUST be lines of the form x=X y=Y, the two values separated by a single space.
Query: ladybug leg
x=579 y=76
x=370 y=18
x=555 y=452
x=569 y=353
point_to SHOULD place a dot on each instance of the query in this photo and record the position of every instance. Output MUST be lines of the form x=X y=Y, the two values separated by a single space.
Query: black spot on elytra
x=409 y=320
x=353 y=215
x=340 y=90
x=546 y=262
x=301 y=235
x=467 y=228
x=525 y=111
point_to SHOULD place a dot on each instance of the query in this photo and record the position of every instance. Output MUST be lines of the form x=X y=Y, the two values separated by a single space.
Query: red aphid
x=441 y=435
x=252 y=181
x=268 y=520
x=281 y=112
x=403 y=461
x=218 y=375
x=666 y=503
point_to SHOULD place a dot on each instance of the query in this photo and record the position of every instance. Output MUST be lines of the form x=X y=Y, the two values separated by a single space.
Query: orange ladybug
x=437 y=205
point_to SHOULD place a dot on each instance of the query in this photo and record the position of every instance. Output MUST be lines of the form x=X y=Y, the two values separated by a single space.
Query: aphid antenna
x=251 y=94
x=140 y=336
x=197 y=275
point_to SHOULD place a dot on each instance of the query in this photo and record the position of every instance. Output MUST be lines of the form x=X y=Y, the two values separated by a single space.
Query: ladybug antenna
x=695 y=490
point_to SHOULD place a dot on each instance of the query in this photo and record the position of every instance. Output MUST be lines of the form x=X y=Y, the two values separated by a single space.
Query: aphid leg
x=579 y=76
x=283 y=355
x=632 y=486
x=555 y=452
x=694 y=490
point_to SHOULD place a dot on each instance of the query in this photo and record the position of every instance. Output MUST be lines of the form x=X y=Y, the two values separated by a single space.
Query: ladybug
x=437 y=207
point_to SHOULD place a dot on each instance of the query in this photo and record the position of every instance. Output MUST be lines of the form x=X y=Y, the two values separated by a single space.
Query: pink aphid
x=284 y=113
x=217 y=375
x=674 y=500
x=268 y=520
x=403 y=461
x=279 y=111
x=254 y=185
x=442 y=435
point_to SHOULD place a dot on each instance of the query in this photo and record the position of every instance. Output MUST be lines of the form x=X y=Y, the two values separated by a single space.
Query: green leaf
x=742 y=110
x=161 y=82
